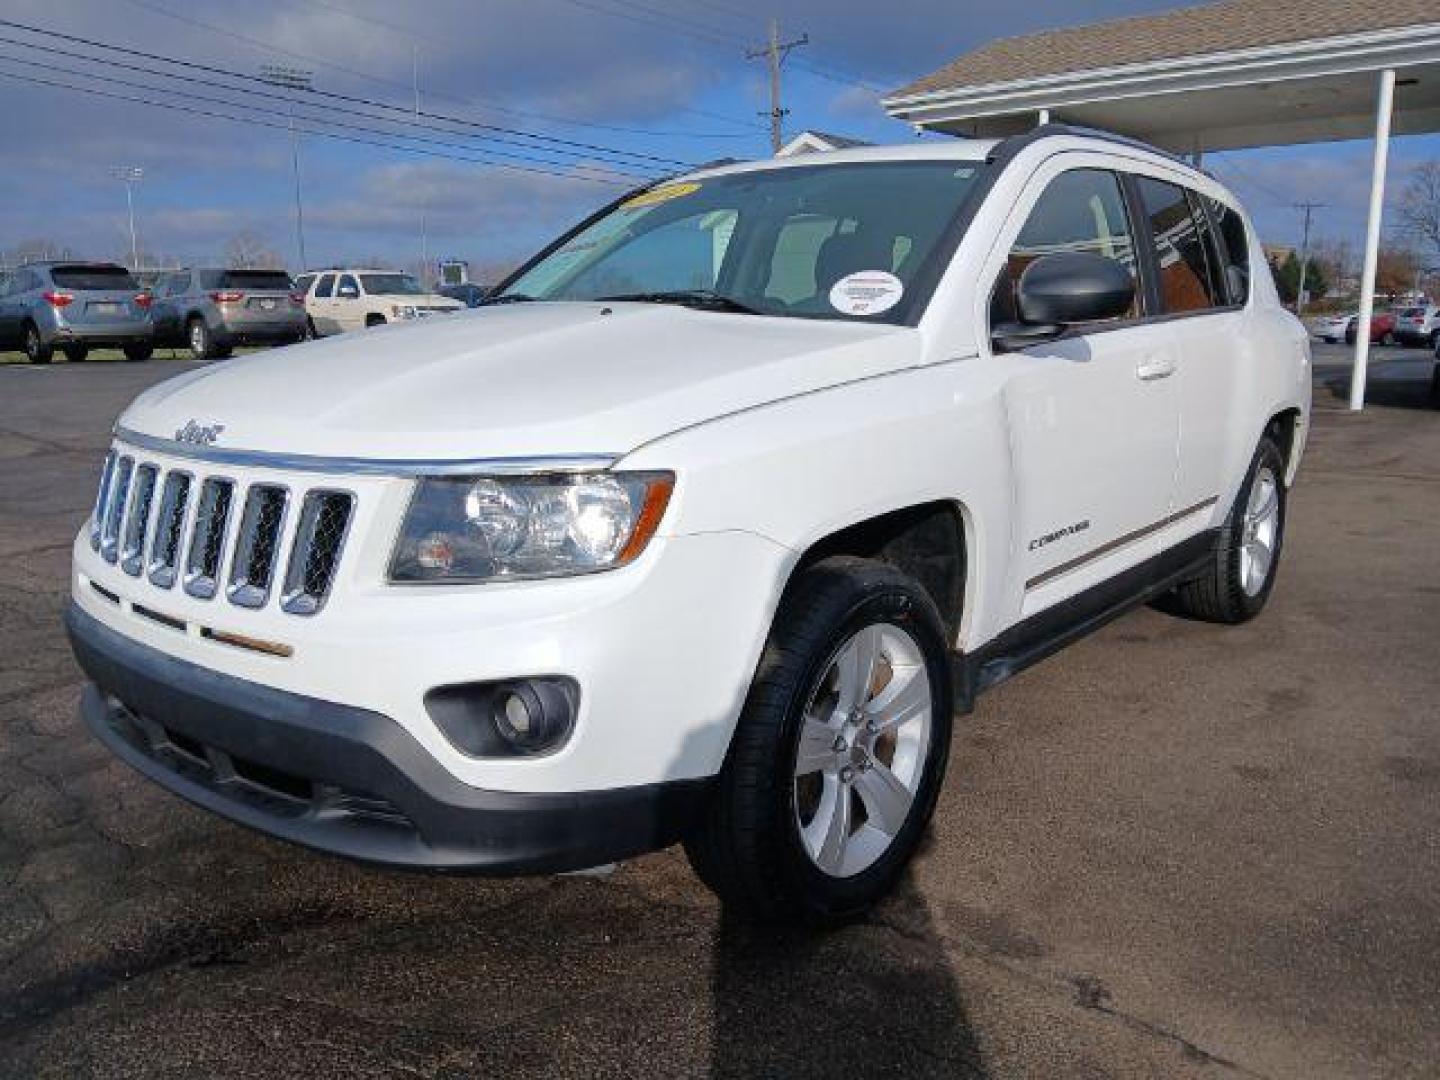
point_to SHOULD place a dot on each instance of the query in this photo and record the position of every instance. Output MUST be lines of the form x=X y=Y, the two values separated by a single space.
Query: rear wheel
x=374 y=320
x=138 y=354
x=36 y=351
x=839 y=754
x=1247 y=555
x=1388 y=338
x=76 y=354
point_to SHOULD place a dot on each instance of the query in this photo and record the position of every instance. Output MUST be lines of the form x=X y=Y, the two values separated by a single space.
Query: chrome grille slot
x=101 y=497
x=137 y=521
x=169 y=529
x=116 y=498
x=324 y=520
x=207 y=540
x=258 y=545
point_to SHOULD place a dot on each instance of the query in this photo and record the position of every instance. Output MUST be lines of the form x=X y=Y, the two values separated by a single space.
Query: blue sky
x=661 y=78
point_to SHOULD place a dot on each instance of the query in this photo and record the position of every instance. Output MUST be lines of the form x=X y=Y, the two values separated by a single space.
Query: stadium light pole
x=294 y=79
x=130 y=175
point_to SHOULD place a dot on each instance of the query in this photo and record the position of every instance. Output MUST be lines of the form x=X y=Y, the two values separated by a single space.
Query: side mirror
x=1057 y=291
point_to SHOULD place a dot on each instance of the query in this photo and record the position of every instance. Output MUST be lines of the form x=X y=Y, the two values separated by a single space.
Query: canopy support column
x=1383 y=109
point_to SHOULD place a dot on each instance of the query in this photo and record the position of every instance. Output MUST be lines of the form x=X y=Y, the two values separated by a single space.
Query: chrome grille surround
x=257 y=548
x=207 y=539
x=167 y=521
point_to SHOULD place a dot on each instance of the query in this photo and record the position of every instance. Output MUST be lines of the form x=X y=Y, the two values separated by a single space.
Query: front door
x=1094 y=416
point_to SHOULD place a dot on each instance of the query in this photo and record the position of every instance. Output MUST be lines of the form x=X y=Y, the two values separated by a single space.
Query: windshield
x=824 y=241
x=391 y=285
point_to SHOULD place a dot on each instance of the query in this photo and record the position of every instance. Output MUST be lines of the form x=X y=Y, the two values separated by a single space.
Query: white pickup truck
x=706 y=525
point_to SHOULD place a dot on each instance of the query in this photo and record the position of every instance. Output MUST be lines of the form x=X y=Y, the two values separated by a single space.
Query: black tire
x=1435 y=343
x=76 y=354
x=1219 y=594
x=374 y=320
x=1350 y=337
x=1388 y=338
x=748 y=846
x=36 y=351
x=138 y=354
x=310 y=332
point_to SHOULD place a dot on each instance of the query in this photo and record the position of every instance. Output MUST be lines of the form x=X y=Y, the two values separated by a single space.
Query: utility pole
x=424 y=239
x=293 y=79
x=1309 y=208
x=774 y=52
x=130 y=175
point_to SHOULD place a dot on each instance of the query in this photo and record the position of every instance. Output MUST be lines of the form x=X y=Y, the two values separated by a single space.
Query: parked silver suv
x=74 y=307
x=211 y=310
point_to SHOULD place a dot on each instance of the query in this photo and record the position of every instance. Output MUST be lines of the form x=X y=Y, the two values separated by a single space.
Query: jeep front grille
x=167 y=525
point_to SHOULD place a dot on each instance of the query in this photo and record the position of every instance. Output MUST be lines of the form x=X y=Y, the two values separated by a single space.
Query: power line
x=256 y=122
x=159 y=9
x=290 y=100
x=340 y=124
x=353 y=99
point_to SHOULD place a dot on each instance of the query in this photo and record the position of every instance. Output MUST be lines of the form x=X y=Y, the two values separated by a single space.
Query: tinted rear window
x=276 y=280
x=93 y=278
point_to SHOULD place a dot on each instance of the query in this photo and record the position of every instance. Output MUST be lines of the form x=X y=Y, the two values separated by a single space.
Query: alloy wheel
x=864 y=740
x=1260 y=531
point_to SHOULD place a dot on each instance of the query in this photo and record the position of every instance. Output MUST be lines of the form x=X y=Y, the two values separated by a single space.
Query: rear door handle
x=1155 y=367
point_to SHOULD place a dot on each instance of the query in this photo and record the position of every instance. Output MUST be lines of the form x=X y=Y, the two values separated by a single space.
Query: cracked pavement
x=1174 y=850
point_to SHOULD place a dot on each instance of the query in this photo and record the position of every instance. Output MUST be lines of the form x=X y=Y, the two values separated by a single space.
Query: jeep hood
x=517 y=381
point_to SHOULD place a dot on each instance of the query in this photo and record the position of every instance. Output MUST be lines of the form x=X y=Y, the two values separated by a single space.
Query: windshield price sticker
x=656 y=196
x=867 y=293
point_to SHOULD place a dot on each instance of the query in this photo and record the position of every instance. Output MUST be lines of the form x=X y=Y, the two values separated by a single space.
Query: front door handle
x=1155 y=367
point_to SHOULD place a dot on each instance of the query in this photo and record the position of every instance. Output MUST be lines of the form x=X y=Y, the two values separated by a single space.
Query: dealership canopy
x=1222 y=76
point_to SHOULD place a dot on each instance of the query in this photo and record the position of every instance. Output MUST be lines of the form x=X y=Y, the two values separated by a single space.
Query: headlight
x=493 y=528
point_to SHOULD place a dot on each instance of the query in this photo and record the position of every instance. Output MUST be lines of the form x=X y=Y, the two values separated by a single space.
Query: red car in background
x=1382 y=328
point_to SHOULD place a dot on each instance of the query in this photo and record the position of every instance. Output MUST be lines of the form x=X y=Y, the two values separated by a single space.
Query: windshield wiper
x=509 y=298
x=696 y=298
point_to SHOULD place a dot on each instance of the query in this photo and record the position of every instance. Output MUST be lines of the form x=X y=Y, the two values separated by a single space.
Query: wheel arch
x=1284 y=428
x=930 y=542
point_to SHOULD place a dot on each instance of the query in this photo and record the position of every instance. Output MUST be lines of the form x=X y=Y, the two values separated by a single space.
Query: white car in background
x=704 y=525
x=1418 y=325
x=1332 y=328
x=337 y=301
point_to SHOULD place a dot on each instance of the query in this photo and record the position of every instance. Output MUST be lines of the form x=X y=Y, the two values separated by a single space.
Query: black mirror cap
x=1074 y=287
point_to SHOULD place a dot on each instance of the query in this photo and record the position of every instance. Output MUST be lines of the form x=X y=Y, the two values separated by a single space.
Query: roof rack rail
x=1017 y=142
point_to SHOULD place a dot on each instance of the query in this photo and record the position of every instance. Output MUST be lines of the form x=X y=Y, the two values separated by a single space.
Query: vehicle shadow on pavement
x=1410 y=390
x=875 y=998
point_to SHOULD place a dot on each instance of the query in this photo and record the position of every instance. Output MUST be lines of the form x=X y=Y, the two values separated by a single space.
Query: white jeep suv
x=706 y=525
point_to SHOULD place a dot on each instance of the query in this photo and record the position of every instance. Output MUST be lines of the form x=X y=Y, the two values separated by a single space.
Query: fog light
x=532 y=715
x=515 y=718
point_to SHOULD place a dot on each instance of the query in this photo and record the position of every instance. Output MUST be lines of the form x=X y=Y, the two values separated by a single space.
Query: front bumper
x=343 y=779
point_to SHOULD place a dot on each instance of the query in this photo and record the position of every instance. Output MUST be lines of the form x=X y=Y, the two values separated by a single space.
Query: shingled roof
x=1193 y=31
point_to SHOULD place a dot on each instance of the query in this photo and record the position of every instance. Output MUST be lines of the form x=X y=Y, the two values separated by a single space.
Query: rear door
x=1195 y=281
x=1094 y=417
x=321 y=305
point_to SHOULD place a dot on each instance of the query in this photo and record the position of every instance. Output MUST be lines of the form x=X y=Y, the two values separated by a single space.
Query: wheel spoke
x=833 y=827
x=816 y=751
x=887 y=800
x=906 y=697
x=856 y=668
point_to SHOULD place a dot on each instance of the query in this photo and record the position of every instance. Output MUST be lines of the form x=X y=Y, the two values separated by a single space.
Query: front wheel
x=76 y=354
x=1247 y=554
x=138 y=354
x=839 y=753
x=1387 y=338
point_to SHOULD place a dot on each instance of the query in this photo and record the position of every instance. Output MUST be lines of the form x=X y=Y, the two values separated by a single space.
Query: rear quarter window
x=93 y=278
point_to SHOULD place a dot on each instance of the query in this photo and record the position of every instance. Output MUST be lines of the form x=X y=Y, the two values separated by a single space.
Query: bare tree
x=1420 y=204
x=248 y=250
x=34 y=250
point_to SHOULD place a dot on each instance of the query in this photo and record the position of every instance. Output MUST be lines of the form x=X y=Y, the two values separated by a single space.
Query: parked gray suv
x=211 y=310
x=74 y=307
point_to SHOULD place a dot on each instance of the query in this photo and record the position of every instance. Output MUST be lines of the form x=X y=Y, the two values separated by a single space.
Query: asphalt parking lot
x=1172 y=850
